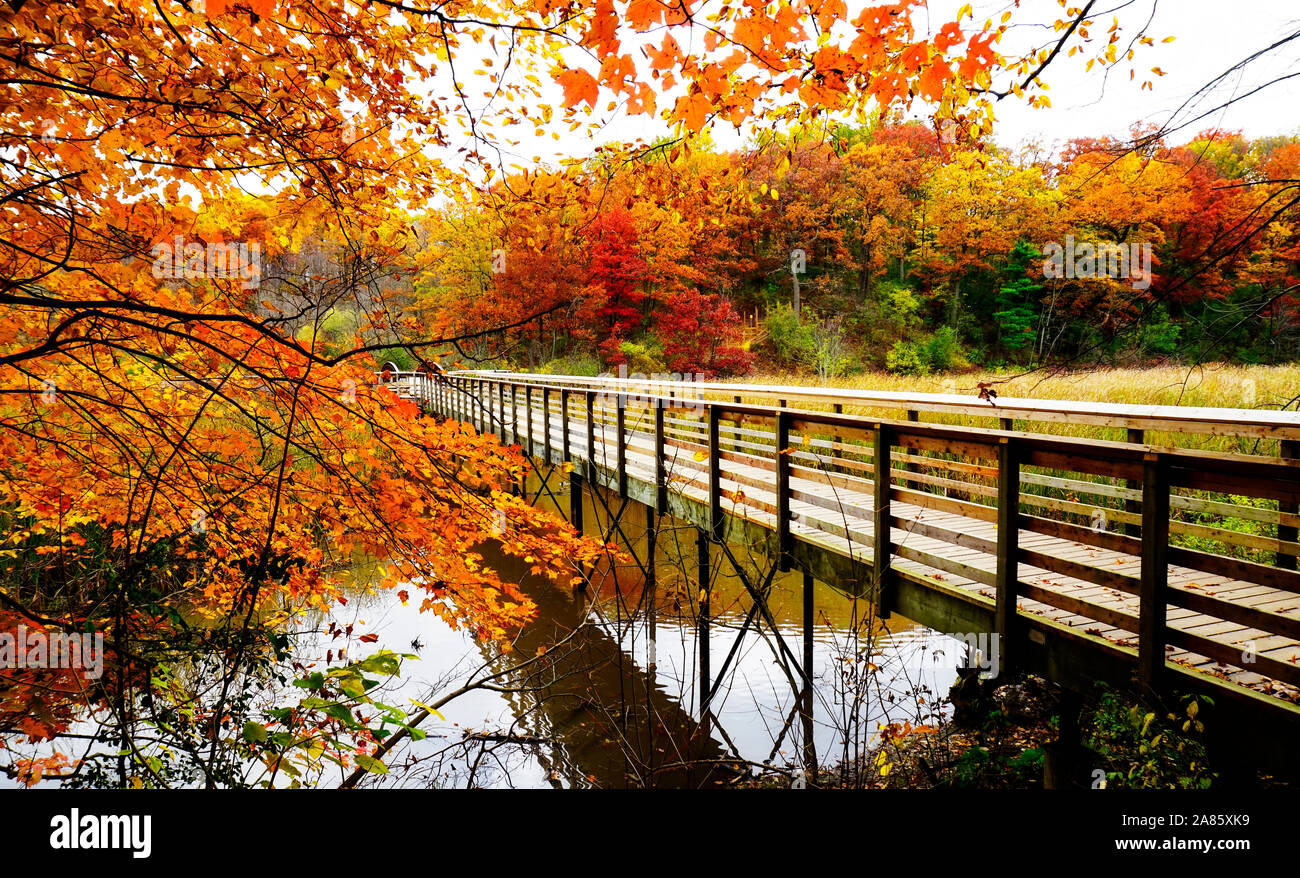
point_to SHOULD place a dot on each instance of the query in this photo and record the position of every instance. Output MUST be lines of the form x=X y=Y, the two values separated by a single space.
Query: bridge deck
x=839 y=518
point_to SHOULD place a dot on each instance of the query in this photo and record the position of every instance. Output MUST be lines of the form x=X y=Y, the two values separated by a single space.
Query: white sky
x=1211 y=36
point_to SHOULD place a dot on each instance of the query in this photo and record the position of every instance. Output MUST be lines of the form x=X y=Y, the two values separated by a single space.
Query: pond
x=608 y=692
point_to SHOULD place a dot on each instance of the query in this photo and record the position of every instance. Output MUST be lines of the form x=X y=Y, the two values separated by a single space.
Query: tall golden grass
x=1213 y=385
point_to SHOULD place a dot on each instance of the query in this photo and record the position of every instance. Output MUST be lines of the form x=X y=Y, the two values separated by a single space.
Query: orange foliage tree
x=184 y=469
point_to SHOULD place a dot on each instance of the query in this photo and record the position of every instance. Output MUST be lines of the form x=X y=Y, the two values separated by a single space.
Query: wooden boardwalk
x=1177 y=564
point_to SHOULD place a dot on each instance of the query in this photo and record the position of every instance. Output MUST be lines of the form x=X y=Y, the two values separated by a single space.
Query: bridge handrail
x=1240 y=422
x=910 y=462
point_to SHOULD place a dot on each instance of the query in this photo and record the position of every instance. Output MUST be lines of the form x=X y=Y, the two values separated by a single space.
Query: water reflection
x=591 y=709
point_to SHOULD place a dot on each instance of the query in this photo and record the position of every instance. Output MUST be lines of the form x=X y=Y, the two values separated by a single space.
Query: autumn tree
x=173 y=443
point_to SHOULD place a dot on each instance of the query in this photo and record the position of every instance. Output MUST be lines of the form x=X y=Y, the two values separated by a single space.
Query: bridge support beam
x=651 y=586
x=806 y=701
x=702 y=623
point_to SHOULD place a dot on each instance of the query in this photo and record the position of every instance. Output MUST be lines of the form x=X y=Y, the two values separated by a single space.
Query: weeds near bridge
x=1144 y=749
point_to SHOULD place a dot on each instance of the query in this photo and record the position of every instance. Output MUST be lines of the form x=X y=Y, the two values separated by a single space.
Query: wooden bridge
x=1112 y=559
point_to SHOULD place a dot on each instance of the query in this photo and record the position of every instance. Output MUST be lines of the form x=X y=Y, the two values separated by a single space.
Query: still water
x=610 y=697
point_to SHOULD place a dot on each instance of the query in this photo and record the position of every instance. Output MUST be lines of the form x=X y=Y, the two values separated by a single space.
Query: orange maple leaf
x=579 y=87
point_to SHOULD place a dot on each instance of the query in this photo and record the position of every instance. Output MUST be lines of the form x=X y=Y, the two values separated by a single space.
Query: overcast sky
x=1211 y=37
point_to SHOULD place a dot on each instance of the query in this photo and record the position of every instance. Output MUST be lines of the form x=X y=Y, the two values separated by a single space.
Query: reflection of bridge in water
x=608 y=722
x=1090 y=559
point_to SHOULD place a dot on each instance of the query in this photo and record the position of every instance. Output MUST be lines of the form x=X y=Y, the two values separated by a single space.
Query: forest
x=880 y=247
x=224 y=220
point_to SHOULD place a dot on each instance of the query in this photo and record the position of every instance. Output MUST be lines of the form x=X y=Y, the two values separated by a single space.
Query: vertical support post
x=882 y=537
x=1288 y=449
x=783 y=541
x=715 y=477
x=620 y=420
x=661 y=461
x=514 y=414
x=651 y=584
x=501 y=410
x=1007 y=577
x=1136 y=436
x=564 y=423
x=528 y=415
x=591 y=435
x=1007 y=424
x=575 y=500
x=836 y=440
x=806 y=706
x=1155 y=571
x=702 y=625
x=546 y=422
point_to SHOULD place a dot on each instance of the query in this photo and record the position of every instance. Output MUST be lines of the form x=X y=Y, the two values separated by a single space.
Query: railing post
x=1136 y=436
x=514 y=414
x=661 y=461
x=528 y=411
x=564 y=423
x=1288 y=449
x=501 y=410
x=882 y=537
x=546 y=423
x=591 y=435
x=715 y=476
x=1155 y=571
x=1007 y=577
x=783 y=450
x=838 y=408
x=620 y=422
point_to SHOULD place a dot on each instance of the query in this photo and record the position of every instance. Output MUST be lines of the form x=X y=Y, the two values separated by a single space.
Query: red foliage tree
x=702 y=334
x=616 y=273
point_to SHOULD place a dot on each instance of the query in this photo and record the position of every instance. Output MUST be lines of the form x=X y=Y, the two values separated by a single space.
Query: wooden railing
x=1191 y=554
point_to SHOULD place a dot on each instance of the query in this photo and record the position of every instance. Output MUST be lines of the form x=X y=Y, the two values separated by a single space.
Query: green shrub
x=578 y=363
x=790 y=337
x=905 y=358
x=1142 y=749
x=400 y=357
x=942 y=351
x=645 y=357
x=1160 y=334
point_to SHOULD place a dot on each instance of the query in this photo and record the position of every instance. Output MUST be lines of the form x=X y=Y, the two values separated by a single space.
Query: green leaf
x=371 y=764
x=254 y=732
x=381 y=663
